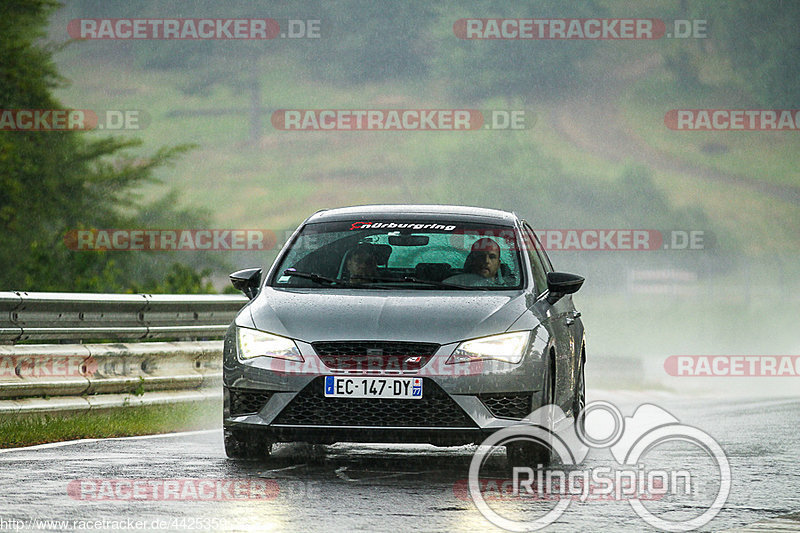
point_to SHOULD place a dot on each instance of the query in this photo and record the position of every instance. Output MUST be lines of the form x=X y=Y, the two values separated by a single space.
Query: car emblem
x=374 y=351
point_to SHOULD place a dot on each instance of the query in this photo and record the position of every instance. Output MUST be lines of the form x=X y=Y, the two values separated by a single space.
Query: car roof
x=414 y=211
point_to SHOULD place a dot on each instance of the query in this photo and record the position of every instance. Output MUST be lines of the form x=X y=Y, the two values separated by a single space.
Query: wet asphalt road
x=349 y=487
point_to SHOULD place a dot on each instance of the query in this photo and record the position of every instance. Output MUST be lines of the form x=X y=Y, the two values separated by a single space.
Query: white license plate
x=372 y=387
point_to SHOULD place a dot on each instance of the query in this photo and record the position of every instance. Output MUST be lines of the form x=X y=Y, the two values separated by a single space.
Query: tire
x=529 y=453
x=245 y=446
x=313 y=454
x=579 y=402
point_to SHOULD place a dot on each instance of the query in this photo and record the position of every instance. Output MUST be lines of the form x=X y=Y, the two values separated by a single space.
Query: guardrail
x=50 y=378
x=76 y=316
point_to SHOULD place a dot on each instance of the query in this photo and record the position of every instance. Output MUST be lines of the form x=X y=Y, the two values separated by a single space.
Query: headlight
x=253 y=343
x=508 y=347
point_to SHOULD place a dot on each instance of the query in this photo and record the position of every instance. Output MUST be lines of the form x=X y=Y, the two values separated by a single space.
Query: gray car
x=401 y=323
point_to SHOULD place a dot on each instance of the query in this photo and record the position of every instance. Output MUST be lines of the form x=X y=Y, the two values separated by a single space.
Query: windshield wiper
x=316 y=278
x=411 y=279
x=444 y=284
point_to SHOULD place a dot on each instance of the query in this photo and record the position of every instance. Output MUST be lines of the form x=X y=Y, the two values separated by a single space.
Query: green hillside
x=595 y=154
x=287 y=175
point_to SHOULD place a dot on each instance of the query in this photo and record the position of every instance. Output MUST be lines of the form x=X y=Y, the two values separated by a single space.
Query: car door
x=561 y=324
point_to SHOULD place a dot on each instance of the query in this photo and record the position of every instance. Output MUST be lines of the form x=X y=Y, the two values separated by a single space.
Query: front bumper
x=461 y=404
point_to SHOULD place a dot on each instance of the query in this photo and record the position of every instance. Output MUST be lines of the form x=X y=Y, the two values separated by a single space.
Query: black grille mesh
x=375 y=355
x=248 y=401
x=508 y=405
x=434 y=409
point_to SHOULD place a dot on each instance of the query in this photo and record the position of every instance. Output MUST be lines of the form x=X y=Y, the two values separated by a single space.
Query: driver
x=482 y=266
x=360 y=264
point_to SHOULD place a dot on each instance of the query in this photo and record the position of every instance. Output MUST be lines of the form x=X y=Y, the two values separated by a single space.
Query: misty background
x=595 y=154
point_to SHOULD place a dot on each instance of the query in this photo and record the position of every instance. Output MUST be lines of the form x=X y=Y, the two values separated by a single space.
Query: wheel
x=527 y=452
x=313 y=454
x=245 y=446
x=579 y=402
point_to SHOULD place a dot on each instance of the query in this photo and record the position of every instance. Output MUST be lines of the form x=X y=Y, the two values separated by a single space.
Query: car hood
x=440 y=317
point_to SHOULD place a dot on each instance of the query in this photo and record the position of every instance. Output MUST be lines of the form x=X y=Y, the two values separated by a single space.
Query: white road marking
x=86 y=441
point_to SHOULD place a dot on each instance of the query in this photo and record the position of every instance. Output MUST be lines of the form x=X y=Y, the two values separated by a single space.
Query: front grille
x=434 y=409
x=248 y=401
x=508 y=405
x=375 y=355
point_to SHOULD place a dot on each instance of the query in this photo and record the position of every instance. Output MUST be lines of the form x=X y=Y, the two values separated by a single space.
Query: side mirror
x=247 y=281
x=561 y=283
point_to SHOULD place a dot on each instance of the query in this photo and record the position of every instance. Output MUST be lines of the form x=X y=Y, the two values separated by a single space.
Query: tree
x=756 y=44
x=55 y=181
x=762 y=46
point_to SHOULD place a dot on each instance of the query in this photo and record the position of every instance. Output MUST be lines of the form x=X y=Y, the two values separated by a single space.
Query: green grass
x=27 y=430
x=769 y=157
x=573 y=160
x=289 y=175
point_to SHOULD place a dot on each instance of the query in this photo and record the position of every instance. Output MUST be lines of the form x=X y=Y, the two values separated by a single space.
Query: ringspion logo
x=578 y=488
x=635 y=478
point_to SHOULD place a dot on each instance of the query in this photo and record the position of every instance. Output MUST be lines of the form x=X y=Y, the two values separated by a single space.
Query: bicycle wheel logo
x=629 y=439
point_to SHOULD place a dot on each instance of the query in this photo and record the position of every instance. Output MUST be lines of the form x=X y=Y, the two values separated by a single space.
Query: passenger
x=360 y=264
x=482 y=266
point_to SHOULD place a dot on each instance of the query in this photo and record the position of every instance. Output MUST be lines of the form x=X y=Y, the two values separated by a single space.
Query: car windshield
x=414 y=254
